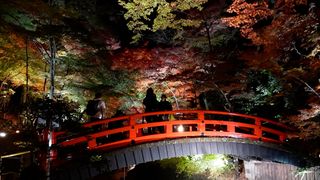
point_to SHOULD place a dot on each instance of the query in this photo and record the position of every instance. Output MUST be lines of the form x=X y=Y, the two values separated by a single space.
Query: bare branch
x=42 y=50
x=295 y=48
x=307 y=85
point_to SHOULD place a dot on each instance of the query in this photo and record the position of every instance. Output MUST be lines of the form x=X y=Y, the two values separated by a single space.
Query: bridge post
x=53 y=151
x=92 y=143
x=133 y=131
x=257 y=129
x=282 y=138
x=231 y=128
x=202 y=126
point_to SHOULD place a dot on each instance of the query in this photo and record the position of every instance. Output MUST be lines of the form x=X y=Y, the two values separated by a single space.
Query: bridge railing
x=155 y=126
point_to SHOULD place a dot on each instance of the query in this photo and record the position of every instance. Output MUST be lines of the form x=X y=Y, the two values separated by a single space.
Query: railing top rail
x=231 y=114
x=196 y=126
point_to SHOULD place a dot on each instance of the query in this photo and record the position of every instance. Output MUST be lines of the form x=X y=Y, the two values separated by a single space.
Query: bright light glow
x=69 y=156
x=17 y=131
x=197 y=157
x=3 y=134
x=180 y=128
x=219 y=162
x=131 y=167
x=50 y=139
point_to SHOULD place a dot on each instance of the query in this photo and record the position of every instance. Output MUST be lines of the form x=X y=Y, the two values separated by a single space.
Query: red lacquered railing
x=132 y=129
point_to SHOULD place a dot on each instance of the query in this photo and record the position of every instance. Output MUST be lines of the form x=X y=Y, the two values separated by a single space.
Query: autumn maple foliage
x=288 y=6
x=247 y=15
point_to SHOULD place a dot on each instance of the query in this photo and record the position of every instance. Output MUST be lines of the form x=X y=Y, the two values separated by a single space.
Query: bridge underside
x=143 y=153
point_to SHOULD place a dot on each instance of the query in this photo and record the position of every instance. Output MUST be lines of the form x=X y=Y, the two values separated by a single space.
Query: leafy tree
x=12 y=59
x=263 y=95
x=289 y=5
x=154 y=15
x=246 y=16
x=63 y=113
x=111 y=82
x=211 y=166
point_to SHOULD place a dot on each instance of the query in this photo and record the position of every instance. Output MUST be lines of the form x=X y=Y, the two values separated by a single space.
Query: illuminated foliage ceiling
x=257 y=57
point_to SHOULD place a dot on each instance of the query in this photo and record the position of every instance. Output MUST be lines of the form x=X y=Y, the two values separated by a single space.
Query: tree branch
x=307 y=85
x=295 y=48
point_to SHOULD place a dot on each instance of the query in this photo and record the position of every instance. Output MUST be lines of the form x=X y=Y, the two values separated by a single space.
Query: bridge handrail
x=201 y=125
x=104 y=121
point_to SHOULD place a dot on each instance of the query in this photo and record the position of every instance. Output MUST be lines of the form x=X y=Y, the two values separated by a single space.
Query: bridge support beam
x=193 y=146
x=143 y=153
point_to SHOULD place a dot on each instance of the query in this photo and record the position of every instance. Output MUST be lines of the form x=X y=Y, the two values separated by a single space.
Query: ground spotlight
x=131 y=167
x=3 y=134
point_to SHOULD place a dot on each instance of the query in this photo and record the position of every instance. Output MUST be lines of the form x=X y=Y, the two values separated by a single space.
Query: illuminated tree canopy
x=93 y=52
x=154 y=15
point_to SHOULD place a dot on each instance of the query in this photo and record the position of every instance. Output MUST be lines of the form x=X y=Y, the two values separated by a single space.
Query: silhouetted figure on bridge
x=164 y=105
x=96 y=109
x=151 y=105
x=117 y=124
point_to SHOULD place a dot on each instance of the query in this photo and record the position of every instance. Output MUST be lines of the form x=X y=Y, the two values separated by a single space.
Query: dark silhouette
x=151 y=105
x=100 y=110
x=117 y=124
x=164 y=105
x=150 y=101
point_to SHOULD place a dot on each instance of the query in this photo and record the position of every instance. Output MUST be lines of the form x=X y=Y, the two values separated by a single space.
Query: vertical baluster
x=282 y=137
x=92 y=143
x=201 y=124
x=53 y=151
x=231 y=128
x=257 y=129
x=133 y=130
x=168 y=127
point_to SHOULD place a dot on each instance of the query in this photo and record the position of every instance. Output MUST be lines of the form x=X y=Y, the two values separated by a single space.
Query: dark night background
x=253 y=57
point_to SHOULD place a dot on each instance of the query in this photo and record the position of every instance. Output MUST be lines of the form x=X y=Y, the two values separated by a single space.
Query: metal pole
x=52 y=45
x=0 y=168
x=48 y=163
x=21 y=164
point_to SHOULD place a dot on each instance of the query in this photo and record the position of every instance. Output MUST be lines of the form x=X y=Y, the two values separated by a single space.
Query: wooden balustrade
x=128 y=130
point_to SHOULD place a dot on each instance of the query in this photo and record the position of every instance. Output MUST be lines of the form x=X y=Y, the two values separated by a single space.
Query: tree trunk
x=207 y=27
x=25 y=97
x=52 y=65
x=208 y=36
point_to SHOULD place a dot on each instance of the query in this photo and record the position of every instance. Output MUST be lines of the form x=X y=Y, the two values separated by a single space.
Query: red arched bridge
x=140 y=138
